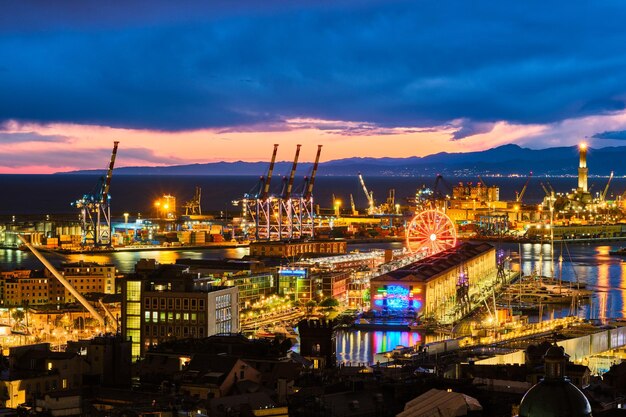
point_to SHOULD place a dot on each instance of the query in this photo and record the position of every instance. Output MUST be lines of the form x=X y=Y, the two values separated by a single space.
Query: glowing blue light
x=292 y=272
x=397 y=297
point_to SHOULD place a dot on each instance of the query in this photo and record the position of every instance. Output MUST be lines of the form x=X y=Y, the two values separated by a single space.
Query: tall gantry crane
x=286 y=208
x=257 y=203
x=286 y=215
x=95 y=209
x=304 y=215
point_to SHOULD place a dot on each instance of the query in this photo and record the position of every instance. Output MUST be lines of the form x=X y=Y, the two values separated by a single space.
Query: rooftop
x=431 y=266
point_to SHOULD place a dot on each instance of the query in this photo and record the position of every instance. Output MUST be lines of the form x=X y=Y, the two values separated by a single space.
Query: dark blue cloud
x=611 y=135
x=390 y=63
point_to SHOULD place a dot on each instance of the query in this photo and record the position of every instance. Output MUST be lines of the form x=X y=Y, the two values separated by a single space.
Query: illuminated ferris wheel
x=430 y=231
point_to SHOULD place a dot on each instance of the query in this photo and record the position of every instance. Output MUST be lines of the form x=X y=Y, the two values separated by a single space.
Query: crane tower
x=95 y=209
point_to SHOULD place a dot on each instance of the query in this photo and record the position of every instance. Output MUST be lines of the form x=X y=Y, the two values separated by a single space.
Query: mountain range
x=504 y=160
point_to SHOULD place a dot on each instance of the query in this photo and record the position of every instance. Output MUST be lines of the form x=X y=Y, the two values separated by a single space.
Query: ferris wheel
x=430 y=231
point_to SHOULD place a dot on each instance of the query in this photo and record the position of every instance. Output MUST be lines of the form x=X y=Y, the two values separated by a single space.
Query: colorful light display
x=398 y=298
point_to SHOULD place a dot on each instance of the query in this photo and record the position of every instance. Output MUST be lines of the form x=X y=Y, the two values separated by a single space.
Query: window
x=170 y=303
x=147 y=316
x=177 y=304
x=193 y=303
x=185 y=303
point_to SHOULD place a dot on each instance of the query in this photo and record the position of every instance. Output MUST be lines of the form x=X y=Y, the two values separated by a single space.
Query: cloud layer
x=223 y=81
x=393 y=64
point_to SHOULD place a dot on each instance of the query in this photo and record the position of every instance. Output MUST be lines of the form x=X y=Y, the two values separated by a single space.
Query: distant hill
x=506 y=159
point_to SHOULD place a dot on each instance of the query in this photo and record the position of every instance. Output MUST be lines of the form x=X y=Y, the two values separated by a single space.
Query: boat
x=618 y=252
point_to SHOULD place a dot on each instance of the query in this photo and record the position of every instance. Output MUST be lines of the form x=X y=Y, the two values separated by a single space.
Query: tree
x=18 y=316
x=310 y=305
x=329 y=302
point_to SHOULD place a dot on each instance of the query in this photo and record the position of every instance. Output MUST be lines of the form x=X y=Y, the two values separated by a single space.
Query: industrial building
x=165 y=302
x=431 y=286
x=580 y=206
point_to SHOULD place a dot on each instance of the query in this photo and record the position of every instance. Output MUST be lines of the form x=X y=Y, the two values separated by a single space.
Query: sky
x=199 y=81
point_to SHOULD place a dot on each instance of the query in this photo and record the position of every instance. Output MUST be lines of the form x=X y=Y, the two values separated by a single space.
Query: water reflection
x=603 y=273
x=356 y=346
x=124 y=261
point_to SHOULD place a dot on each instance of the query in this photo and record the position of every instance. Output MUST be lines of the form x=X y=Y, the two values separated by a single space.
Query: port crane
x=606 y=189
x=286 y=215
x=257 y=203
x=368 y=194
x=286 y=208
x=520 y=195
x=305 y=214
x=193 y=206
x=353 y=207
x=95 y=209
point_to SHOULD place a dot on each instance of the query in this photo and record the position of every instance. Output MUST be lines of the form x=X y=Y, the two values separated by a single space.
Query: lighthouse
x=582 y=168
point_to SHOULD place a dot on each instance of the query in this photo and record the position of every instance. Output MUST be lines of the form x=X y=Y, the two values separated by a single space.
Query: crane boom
x=309 y=189
x=521 y=193
x=545 y=190
x=368 y=194
x=606 y=189
x=268 y=179
x=293 y=173
x=79 y=297
x=107 y=181
x=352 y=206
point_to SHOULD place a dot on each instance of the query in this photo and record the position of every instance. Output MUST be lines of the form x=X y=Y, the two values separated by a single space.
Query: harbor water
x=586 y=263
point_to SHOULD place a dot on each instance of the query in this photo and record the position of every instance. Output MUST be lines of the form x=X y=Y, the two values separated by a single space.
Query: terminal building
x=289 y=249
x=430 y=287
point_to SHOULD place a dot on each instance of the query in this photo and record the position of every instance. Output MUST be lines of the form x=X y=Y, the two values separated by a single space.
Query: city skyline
x=208 y=83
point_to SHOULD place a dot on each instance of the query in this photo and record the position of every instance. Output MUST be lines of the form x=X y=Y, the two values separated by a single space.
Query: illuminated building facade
x=429 y=286
x=168 y=303
x=86 y=277
x=295 y=283
x=290 y=249
x=252 y=287
x=29 y=290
